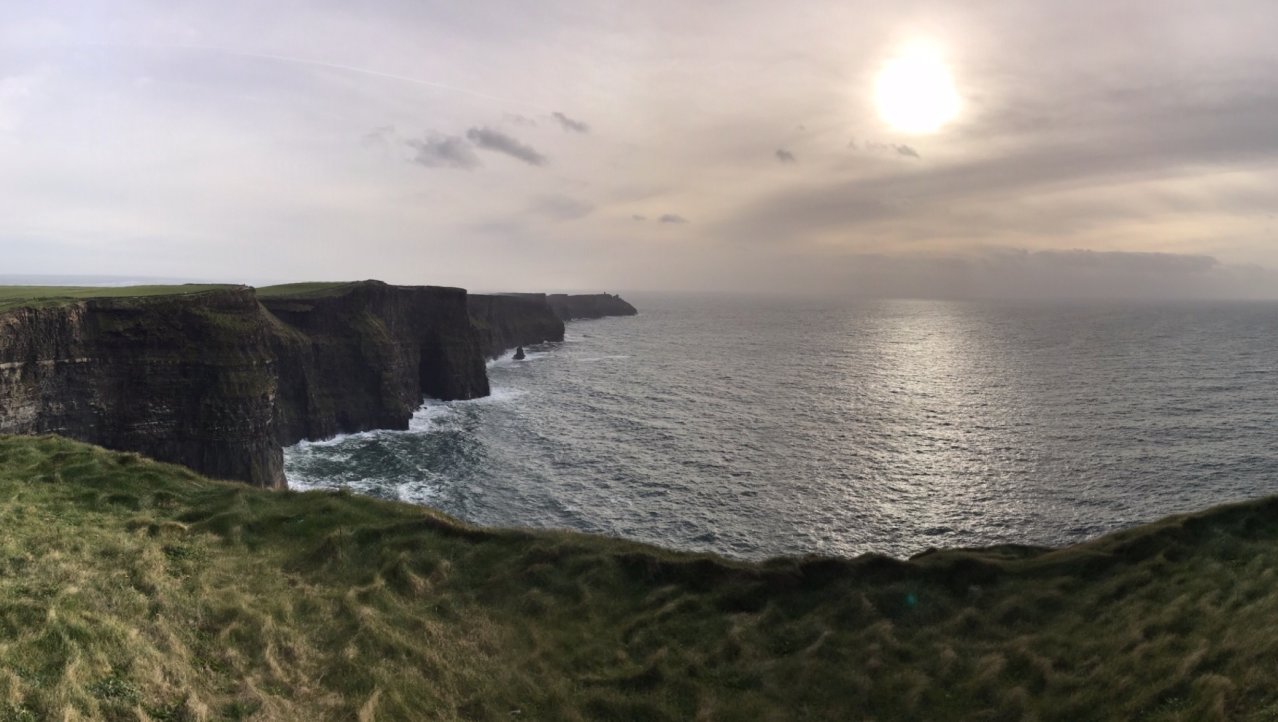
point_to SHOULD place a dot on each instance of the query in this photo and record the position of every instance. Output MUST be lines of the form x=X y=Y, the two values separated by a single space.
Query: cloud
x=378 y=137
x=443 y=151
x=672 y=218
x=1015 y=272
x=499 y=142
x=561 y=207
x=1126 y=261
x=1105 y=149
x=785 y=156
x=881 y=147
x=575 y=126
x=1123 y=171
x=517 y=119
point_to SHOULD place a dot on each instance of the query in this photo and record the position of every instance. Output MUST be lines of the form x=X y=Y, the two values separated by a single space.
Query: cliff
x=362 y=356
x=220 y=378
x=595 y=305
x=189 y=379
x=505 y=321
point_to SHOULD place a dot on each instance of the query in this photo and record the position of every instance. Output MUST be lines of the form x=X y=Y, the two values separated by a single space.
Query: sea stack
x=519 y=354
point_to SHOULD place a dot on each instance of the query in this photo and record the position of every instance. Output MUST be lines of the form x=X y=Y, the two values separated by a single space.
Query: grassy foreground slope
x=131 y=590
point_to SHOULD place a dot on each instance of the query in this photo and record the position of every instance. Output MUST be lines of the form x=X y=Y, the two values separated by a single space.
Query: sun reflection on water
x=933 y=471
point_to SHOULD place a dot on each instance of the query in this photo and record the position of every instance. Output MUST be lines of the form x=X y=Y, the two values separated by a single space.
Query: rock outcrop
x=220 y=380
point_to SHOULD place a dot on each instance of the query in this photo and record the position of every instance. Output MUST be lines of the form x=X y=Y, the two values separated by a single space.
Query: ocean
x=755 y=428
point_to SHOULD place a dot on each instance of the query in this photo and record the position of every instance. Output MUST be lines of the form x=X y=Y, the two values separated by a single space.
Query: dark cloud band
x=499 y=142
x=575 y=126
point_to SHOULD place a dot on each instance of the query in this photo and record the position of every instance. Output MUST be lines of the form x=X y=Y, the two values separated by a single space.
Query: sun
x=914 y=92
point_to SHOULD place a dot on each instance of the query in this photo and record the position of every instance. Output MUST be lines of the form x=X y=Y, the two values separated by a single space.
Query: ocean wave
x=881 y=428
x=428 y=417
x=418 y=492
x=508 y=358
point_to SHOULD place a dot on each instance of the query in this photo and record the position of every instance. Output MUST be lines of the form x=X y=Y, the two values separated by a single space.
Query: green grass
x=306 y=290
x=131 y=590
x=16 y=296
x=20 y=296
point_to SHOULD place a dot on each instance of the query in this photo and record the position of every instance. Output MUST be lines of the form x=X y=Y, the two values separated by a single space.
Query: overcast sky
x=1100 y=147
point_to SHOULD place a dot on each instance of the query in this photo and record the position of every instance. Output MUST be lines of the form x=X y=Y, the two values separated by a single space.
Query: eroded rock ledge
x=221 y=380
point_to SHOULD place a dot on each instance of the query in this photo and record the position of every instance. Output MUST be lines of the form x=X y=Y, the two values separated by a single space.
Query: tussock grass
x=131 y=590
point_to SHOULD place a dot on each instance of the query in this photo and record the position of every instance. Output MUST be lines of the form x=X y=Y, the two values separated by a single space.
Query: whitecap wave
x=496 y=395
x=508 y=358
x=417 y=492
x=429 y=416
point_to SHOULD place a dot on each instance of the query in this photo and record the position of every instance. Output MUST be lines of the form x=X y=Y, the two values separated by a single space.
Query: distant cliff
x=518 y=319
x=507 y=320
x=220 y=380
x=595 y=305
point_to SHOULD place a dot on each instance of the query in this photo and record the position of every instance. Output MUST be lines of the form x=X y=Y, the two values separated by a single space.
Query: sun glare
x=915 y=93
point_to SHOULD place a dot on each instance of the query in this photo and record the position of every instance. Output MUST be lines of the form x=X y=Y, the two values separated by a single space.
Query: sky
x=1094 y=148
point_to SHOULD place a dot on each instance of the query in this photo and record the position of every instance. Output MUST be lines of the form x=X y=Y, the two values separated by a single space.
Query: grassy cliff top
x=329 y=289
x=308 y=289
x=37 y=296
x=17 y=296
x=135 y=590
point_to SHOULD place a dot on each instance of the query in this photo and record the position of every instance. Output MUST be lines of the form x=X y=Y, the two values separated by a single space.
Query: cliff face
x=506 y=321
x=593 y=305
x=365 y=358
x=220 y=380
x=189 y=379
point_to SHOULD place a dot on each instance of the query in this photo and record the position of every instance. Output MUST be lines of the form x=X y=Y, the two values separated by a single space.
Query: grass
x=306 y=290
x=35 y=296
x=16 y=296
x=131 y=590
